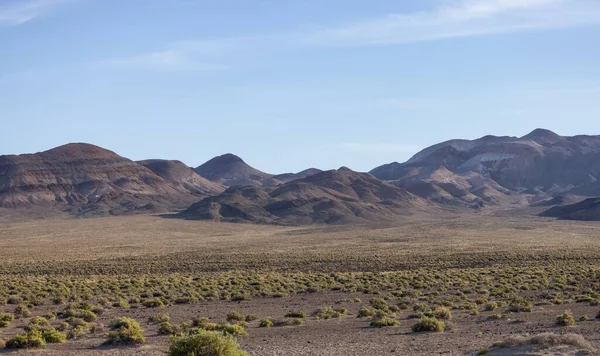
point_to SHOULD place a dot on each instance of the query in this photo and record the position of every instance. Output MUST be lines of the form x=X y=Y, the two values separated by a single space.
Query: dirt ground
x=464 y=243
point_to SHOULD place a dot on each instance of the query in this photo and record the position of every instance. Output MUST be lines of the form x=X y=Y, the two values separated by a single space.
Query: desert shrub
x=76 y=332
x=365 y=312
x=235 y=316
x=329 y=313
x=520 y=305
x=266 y=323
x=166 y=328
x=490 y=306
x=53 y=336
x=584 y=318
x=429 y=324
x=22 y=311
x=483 y=352
x=29 y=340
x=6 y=319
x=160 y=318
x=76 y=322
x=379 y=303
x=380 y=323
x=565 y=320
x=296 y=314
x=440 y=313
x=205 y=343
x=153 y=303
x=232 y=329
x=96 y=328
x=251 y=317
x=126 y=331
x=62 y=326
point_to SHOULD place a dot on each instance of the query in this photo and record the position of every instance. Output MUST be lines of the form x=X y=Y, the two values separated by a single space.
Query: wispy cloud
x=377 y=147
x=466 y=18
x=202 y=55
x=16 y=12
x=451 y=19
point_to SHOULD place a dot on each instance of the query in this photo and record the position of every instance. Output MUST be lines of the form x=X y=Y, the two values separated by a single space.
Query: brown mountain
x=495 y=168
x=332 y=197
x=231 y=171
x=84 y=179
x=183 y=177
x=588 y=210
x=288 y=177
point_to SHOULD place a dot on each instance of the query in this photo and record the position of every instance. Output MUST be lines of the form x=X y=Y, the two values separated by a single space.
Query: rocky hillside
x=332 y=197
x=541 y=165
x=86 y=180
x=588 y=210
x=183 y=177
x=230 y=170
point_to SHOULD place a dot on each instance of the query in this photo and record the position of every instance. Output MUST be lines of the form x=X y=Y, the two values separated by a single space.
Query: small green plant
x=490 y=306
x=565 y=320
x=166 y=328
x=296 y=314
x=153 y=303
x=520 y=305
x=53 y=336
x=329 y=313
x=251 y=317
x=380 y=323
x=160 y=318
x=483 y=352
x=126 y=331
x=366 y=312
x=429 y=324
x=6 y=319
x=233 y=330
x=76 y=332
x=29 y=340
x=266 y=323
x=205 y=343
x=235 y=316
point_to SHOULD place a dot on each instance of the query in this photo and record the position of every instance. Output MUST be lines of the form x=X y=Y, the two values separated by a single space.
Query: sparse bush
x=153 y=303
x=205 y=343
x=126 y=331
x=429 y=324
x=235 y=316
x=380 y=323
x=520 y=305
x=490 y=306
x=565 y=320
x=29 y=340
x=296 y=314
x=160 y=318
x=76 y=332
x=53 y=336
x=329 y=313
x=366 y=312
x=232 y=330
x=166 y=328
x=266 y=323
x=6 y=319
x=251 y=317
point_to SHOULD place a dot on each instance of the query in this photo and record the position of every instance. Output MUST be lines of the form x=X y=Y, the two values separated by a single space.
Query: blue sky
x=292 y=84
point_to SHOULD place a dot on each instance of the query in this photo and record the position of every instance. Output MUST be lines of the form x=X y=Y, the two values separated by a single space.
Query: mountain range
x=541 y=169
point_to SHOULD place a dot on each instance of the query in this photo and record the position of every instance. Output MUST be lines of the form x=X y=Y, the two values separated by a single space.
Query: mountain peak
x=542 y=135
x=227 y=158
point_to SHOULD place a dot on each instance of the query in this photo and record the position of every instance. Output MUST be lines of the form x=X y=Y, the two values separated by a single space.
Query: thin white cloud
x=16 y=12
x=378 y=147
x=181 y=56
x=465 y=18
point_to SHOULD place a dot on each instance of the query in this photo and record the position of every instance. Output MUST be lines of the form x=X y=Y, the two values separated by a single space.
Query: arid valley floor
x=487 y=270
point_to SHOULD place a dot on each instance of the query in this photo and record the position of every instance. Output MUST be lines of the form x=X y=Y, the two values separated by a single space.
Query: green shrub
x=153 y=303
x=166 y=328
x=235 y=316
x=76 y=332
x=160 y=318
x=380 y=323
x=126 y=331
x=429 y=324
x=483 y=352
x=232 y=329
x=22 y=311
x=29 y=340
x=329 y=313
x=440 y=313
x=490 y=306
x=6 y=319
x=565 y=320
x=296 y=314
x=251 y=317
x=379 y=303
x=53 y=336
x=366 y=312
x=266 y=323
x=520 y=305
x=205 y=343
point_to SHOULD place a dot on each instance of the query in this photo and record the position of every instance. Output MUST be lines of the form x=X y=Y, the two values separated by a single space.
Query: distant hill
x=182 y=177
x=491 y=169
x=86 y=180
x=288 y=177
x=331 y=197
x=588 y=210
x=230 y=170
